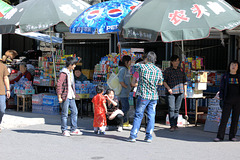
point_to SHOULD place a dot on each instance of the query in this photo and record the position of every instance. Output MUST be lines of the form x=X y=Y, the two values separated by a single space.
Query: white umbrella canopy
x=36 y=15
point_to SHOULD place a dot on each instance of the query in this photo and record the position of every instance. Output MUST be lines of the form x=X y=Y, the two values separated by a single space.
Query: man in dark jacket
x=66 y=97
x=78 y=75
x=175 y=83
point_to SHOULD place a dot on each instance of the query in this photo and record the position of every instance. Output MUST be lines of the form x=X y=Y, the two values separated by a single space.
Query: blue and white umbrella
x=102 y=17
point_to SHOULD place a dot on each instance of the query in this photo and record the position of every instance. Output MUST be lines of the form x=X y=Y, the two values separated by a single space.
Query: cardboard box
x=201 y=86
x=202 y=118
x=87 y=73
x=203 y=76
x=78 y=96
x=196 y=94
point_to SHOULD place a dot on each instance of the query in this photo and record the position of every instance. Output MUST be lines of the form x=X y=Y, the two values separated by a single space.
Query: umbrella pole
x=0 y=45
x=183 y=52
x=52 y=53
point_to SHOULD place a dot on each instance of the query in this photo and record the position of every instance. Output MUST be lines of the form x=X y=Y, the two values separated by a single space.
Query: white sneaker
x=66 y=133
x=76 y=132
x=120 y=129
x=148 y=140
x=131 y=140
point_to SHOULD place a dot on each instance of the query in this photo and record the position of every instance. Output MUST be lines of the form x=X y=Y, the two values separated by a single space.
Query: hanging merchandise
x=44 y=74
x=196 y=76
x=105 y=67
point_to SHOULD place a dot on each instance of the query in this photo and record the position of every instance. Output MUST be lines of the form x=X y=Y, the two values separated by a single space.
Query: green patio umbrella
x=177 y=20
x=4 y=8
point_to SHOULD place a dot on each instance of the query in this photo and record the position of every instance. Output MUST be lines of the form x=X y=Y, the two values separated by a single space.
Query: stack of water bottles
x=45 y=104
x=37 y=101
x=50 y=104
x=23 y=86
x=190 y=87
x=85 y=88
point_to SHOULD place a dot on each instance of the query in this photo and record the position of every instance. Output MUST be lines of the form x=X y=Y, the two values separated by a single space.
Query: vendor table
x=43 y=89
x=196 y=113
x=26 y=101
x=81 y=103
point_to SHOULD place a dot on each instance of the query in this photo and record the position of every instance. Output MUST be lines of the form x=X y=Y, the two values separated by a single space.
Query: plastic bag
x=113 y=83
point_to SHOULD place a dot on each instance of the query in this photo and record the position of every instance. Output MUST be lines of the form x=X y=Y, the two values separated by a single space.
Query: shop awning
x=39 y=36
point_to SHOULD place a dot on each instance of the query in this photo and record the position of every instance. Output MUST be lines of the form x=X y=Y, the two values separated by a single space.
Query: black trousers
x=135 y=102
x=226 y=111
x=117 y=121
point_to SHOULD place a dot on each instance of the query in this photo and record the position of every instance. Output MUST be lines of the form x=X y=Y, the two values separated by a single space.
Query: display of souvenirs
x=191 y=63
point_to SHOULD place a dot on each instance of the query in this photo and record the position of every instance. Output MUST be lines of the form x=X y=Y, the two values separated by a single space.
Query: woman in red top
x=24 y=72
x=100 y=110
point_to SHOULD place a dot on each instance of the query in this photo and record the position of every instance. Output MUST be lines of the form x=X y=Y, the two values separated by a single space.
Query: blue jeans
x=2 y=106
x=141 y=105
x=174 y=104
x=125 y=108
x=69 y=103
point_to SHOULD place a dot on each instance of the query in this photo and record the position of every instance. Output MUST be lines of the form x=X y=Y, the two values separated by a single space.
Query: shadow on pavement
x=37 y=132
x=194 y=134
x=108 y=135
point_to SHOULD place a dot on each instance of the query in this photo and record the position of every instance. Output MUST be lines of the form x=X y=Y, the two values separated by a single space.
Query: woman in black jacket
x=230 y=94
x=114 y=114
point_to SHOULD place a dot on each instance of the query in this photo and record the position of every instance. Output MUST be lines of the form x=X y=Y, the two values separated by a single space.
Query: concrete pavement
x=42 y=141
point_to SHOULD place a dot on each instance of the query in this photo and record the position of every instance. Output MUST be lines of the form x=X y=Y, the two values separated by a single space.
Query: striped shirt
x=175 y=78
x=149 y=76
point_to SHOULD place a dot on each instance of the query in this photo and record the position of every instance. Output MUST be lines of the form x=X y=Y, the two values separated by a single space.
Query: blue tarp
x=40 y=37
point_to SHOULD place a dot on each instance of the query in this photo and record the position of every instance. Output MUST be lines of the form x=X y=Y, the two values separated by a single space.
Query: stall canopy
x=37 y=15
x=4 y=8
x=102 y=17
x=178 y=20
x=39 y=36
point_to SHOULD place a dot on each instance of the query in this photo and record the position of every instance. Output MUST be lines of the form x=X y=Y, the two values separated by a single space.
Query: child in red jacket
x=100 y=110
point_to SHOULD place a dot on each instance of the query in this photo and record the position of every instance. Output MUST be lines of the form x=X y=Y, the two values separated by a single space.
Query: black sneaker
x=172 y=129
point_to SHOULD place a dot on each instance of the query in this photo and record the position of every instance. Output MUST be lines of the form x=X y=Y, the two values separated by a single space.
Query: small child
x=100 y=110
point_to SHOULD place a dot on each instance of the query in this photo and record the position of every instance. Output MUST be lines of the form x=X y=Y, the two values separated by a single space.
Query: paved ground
x=43 y=140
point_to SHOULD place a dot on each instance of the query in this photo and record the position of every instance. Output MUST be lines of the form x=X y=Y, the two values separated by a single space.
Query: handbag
x=113 y=83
